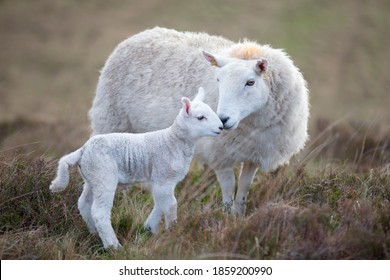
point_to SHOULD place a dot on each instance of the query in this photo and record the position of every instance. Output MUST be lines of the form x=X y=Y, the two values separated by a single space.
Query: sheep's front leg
x=227 y=182
x=248 y=171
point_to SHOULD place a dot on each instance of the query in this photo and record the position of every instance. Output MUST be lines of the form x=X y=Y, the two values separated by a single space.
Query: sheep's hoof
x=239 y=208
x=227 y=207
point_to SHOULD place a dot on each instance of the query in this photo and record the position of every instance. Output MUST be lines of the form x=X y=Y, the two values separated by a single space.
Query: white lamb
x=259 y=94
x=159 y=159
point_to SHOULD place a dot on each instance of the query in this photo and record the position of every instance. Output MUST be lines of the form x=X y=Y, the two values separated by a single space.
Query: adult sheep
x=259 y=94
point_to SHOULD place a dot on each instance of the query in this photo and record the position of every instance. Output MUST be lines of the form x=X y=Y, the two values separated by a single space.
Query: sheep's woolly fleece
x=142 y=79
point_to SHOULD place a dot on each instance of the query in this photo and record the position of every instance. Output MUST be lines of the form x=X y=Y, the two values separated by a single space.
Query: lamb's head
x=198 y=118
x=243 y=87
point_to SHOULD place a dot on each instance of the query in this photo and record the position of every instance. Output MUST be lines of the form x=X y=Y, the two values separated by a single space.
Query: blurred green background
x=51 y=52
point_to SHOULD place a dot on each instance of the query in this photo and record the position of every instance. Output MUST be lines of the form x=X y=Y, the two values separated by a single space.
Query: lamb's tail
x=62 y=179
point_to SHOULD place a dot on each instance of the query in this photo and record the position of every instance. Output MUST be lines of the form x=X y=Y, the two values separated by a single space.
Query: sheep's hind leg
x=101 y=214
x=248 y=171
x=84 y=205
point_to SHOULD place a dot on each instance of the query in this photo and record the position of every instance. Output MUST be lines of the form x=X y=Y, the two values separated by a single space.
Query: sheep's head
x=199 y=118
x=243 y=87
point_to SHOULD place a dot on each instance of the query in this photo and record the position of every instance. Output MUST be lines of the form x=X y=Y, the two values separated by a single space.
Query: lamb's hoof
x=171 y=226
x=56 y=187
x=113 y=247
x=53 y=187
x=149 y=230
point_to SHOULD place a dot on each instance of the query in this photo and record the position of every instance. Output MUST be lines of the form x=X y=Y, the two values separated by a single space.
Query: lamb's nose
x=224 y=119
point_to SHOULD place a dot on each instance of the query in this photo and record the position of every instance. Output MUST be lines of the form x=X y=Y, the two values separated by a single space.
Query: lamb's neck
x=180 y=138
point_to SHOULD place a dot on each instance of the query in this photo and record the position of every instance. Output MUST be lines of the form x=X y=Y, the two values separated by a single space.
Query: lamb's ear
x=186 y=105
x=261 y=66
x=216 y=60
x=200 y=95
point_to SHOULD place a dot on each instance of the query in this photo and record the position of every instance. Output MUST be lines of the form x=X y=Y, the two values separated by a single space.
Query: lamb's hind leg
x=84 y=205
x=103 y=198
x=248 y=171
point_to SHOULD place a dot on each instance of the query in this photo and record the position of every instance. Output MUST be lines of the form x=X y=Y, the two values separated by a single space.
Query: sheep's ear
x=186 y=105
x=261 y=66
x=200 y=95
x=215 y=60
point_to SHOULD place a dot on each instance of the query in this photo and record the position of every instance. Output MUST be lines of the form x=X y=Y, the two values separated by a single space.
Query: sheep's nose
x=224 y=119
x=221 y=128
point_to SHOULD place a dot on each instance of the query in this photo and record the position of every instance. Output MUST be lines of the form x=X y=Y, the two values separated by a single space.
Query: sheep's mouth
x=217 y=132
x=231 y=127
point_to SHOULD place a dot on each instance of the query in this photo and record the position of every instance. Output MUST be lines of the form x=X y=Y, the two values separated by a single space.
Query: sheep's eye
x=250 y=83
x=201 y=118
x=217 y=80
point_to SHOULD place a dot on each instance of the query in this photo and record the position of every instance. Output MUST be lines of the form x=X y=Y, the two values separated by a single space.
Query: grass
x=291 y=214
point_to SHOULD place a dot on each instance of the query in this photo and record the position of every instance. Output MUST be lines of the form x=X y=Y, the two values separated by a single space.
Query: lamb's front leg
x=153 y=219
x=170 y=211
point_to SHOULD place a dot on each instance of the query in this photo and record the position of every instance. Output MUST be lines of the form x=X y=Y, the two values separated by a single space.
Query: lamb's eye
x=201 y=118
x=250 y=83
x=217 y=80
